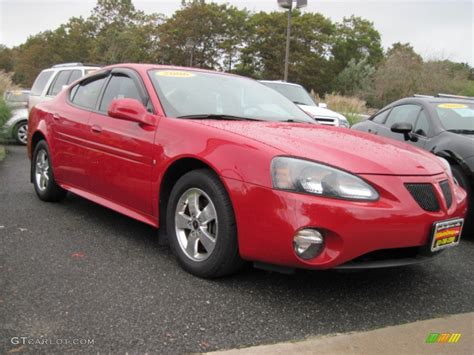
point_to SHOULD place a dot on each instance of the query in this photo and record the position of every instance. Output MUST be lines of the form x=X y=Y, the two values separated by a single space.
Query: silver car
x=17 y=126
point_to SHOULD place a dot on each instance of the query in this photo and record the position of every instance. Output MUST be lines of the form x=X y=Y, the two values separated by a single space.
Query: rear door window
x=41 y=82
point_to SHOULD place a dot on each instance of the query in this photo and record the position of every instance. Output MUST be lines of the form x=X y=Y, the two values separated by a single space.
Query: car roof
x=72 y=67
x=432 y=99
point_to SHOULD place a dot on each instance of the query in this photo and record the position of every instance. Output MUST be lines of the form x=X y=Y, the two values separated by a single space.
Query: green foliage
x=355 y=78
x=5 y=112
x=326 y=56
x=404 y=73
x=356 y=39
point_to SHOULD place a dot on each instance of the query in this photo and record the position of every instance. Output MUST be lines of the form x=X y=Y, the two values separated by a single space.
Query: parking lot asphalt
x=76 y=271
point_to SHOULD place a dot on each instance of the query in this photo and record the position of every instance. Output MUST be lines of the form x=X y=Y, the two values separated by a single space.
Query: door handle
x=56 y=116
x=96 y=129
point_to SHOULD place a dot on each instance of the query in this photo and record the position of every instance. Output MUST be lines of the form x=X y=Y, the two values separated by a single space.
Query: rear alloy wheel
x=201 y=225
x=21 y=133
x=43 y=179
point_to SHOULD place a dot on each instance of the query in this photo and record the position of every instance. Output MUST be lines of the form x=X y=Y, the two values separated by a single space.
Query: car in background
x=51 y=81
x=300 y=97
x=16 y=98
x=231 y=170
x=442 y=125
x=17 y=126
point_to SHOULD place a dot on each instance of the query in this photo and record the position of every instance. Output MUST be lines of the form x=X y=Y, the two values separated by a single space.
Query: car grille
x=448 y=197
x=327 y=121
x=424 y=195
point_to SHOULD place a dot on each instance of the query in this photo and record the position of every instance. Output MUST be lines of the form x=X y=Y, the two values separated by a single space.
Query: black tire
x=50 y=192
x=224 y=258
x=463 y=181
x=19 y=131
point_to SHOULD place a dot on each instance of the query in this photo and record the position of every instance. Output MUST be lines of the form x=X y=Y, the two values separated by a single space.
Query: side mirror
x=131 y=110
x=404 y=128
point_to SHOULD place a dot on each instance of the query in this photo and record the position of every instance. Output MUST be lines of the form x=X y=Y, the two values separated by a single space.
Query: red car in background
x=234 y=171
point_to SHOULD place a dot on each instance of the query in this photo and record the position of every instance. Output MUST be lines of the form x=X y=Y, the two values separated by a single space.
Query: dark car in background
x=443 y=125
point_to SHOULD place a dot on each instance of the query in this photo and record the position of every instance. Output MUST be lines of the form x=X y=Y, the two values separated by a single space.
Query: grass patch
x=349 y=106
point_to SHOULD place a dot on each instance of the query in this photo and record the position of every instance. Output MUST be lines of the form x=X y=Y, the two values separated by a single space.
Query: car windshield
x=295 y=93
x=187 y=93
x=456 y=117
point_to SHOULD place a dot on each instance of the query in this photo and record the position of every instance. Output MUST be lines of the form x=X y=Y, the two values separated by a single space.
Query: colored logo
x=443 y=338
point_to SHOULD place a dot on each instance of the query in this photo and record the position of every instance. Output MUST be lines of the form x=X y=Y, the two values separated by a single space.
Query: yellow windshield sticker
x=17 y=93
x=452 y=106
x=175 y=73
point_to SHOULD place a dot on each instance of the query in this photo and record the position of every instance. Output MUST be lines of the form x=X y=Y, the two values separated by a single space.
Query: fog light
x=308 y=243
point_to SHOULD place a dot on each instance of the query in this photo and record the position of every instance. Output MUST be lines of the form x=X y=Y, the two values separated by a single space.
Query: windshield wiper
x=462 y=131
x=300 y=103
x=213 y=116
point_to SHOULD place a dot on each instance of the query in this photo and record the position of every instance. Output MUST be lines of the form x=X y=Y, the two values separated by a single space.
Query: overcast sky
x=436 y=28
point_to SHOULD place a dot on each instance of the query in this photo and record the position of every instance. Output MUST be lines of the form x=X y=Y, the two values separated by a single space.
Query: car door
x=373 y=124
x=122 y=159
x=71 y=132
x=407 y=113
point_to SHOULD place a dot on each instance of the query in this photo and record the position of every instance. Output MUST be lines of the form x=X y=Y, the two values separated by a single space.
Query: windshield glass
x=188 y=93
x=456 y=116
x=295 y=93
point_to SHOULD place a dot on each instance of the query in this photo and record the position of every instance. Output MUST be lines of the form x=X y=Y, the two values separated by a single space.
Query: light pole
x=288 y=4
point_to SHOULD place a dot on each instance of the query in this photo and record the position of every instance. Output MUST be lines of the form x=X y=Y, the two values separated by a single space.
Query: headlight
x=343 y=122
x=299 y=175
x=447 y=167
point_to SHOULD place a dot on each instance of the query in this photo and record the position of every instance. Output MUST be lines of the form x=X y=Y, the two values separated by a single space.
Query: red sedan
x=233 y=171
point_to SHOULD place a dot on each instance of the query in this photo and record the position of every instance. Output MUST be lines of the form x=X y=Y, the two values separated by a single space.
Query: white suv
x=51 y=81
x=303 y=100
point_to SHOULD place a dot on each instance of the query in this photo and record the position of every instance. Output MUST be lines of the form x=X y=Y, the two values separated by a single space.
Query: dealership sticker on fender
x=446 y=234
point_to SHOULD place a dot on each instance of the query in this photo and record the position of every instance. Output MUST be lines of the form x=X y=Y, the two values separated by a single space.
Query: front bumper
x=267 y=220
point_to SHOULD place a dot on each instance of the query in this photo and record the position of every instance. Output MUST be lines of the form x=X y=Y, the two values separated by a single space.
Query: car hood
x=353 y=151
x=321 y=112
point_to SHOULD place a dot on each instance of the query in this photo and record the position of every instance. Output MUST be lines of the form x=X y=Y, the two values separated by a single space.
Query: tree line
x=326 y=56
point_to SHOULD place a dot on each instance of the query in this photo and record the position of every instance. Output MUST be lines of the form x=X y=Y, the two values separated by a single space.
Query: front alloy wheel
x=196 y=224
x=201 y=225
